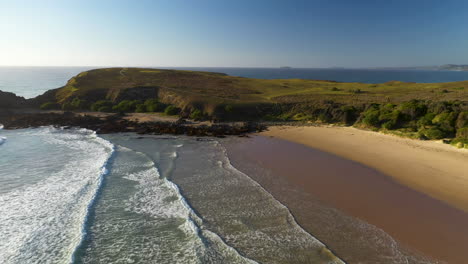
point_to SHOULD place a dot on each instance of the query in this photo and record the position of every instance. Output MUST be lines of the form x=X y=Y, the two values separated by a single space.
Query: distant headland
x=417 y=110
x=445 y=67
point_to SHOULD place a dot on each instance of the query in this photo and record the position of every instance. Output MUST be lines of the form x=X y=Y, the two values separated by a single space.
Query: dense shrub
x=324 y=117
x=391 y=124
x=460 y=143
x=445 y=121
x=140 y=108
x=172 y=110
x=102 y=105
x=426 y=120
x=126 y=106
x=432 y=133
x=390 y=120
x=50 y=106
x=75 y=104
x=413 y=109
x=105 y=109
x=462 y=120
x=371 y=117
x=462 y=133
x=153 y=105
x=228 y=108
x=196 y=115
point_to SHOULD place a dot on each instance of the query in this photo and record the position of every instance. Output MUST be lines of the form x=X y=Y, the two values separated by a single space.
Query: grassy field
x=219 y=88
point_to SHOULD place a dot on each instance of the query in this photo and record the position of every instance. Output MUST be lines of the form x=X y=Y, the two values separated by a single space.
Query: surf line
x=2 y=139
x=104 y=171
x=229 y=165
x=195 y=222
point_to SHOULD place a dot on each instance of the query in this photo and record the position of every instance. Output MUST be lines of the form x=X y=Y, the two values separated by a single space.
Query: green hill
x=420 y=110
x=188 y=89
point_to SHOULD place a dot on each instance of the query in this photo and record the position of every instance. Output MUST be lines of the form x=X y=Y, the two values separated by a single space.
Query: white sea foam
x=43 y=222
x=161 y=199
x=242 y=212
x=2 y=139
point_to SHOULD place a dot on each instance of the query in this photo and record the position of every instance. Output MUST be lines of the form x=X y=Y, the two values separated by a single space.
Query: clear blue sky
x=252 y=33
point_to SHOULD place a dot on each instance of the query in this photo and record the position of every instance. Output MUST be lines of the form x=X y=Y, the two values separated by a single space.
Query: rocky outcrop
x=116 y=124
x=10 y=100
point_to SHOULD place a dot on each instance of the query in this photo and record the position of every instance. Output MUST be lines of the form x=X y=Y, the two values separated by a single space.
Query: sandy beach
x=362 y=214
x=433 y=168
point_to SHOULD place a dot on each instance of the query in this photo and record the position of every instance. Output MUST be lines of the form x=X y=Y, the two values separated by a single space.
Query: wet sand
x=436 y=169
x=312 y=183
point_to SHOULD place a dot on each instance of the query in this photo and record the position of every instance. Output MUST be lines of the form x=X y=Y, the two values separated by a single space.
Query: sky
x=236 y=33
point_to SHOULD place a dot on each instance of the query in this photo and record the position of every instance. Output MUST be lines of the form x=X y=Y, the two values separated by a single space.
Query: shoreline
x=312 y=183
x=433 y=168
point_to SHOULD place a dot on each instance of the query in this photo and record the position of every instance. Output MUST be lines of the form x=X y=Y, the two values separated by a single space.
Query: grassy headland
x=420 y=110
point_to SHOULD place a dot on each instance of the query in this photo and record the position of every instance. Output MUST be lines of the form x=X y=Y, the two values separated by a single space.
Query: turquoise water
x=70 y=196
x=32 y=81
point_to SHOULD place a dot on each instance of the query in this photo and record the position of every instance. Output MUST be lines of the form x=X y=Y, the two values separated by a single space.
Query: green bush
x=433 y=133
x=462 y=133
x=325 y=118
x=228 y=108
x=460 y=143
x=301 y=117
x=413 y=109
x=390 y=119
x=445 y=121
x=50 y=106
x=140 y=108
x=371 y=117
x=462 y=120
x=172 y=110
x=196 y=115
x=391 y=124
x=126 y=106
x=75 y=104
x=102 y=105
x=105 y=109
x=153 y=105
x=426 y=120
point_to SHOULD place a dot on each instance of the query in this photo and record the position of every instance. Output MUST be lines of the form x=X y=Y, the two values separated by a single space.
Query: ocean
x=71 y=196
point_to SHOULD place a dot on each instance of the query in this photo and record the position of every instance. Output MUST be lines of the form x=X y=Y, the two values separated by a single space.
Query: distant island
x=445 y=67
x=417 y=110
x=285 y=67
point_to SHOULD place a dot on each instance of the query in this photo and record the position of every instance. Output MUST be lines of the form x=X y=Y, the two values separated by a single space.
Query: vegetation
x=102 y=106
x=153 y=105
x=75 y=104
x=50 y=106
x=126 y=106
x=196 y=114
x=420 y=110
x=172 y=110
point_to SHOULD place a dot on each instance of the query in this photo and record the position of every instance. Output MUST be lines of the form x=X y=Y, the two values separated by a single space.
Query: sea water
x=70 y=196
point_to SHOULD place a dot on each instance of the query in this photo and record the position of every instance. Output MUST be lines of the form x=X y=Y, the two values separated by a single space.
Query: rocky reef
x=116 y=123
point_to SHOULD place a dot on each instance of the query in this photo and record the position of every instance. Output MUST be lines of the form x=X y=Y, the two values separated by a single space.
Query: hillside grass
x=220 y=88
